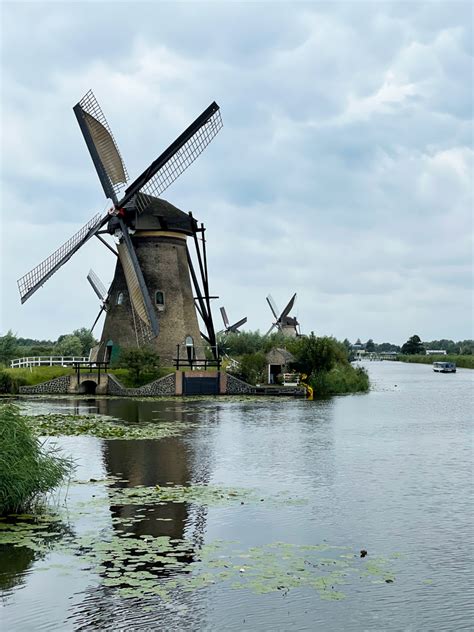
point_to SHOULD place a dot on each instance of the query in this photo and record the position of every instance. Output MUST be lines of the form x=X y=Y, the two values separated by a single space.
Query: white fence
x=19 y=363
x=291 y=379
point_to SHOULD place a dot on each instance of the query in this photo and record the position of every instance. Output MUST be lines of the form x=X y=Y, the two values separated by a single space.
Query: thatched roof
x=279 y=356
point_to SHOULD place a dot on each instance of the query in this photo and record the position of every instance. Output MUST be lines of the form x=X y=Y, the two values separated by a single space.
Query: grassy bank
x=28 y=470
x=12 y=379
x=462 y=361
x=342 y=379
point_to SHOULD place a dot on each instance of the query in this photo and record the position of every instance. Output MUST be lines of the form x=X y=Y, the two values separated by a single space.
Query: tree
x=8 y=347
x=413 y=346
x=139 y=361
x=68 y=345
x=318 y=355
x=87 y=339
x=370 y=345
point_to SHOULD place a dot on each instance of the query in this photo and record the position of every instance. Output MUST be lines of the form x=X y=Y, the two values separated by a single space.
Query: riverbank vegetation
x=324 y=361
x=461 y=361
x=28 y=470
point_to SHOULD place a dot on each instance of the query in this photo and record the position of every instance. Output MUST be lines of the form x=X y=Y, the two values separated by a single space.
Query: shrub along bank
x=28 y=470
x=323 y=359
x=462 y=361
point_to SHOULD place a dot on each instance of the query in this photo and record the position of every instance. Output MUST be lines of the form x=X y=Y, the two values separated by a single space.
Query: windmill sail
x=224 y=317
x=101 y=144
x=288 y=308
x=177 y=158
x=239 y=323
x=273 y=306
x=139 y=297
x=33 y=280
x=97 y=285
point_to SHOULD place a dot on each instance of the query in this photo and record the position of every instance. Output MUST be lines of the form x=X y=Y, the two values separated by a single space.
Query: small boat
x=444 y=367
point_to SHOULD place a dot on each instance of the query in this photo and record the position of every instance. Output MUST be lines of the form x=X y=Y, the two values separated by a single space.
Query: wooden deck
x=280 y=391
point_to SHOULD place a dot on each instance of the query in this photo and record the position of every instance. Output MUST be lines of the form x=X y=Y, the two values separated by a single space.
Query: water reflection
x=14 y=562
x=149 y=463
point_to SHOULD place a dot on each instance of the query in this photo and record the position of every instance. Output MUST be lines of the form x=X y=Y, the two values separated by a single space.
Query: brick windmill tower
x=156 y=292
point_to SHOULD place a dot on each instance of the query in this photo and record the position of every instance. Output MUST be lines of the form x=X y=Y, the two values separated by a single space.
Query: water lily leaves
x=196 y=494
x=56 y=424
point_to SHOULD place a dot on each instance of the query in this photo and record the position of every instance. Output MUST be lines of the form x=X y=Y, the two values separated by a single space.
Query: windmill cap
x=159 y=215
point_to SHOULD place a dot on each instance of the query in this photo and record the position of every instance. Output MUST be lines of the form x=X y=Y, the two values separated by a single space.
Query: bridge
x=375 y=355
x=20 y=363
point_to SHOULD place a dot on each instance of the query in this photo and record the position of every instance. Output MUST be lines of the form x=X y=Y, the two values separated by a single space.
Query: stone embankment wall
x=57 y=386
x=238 y=387
x=63 y=385
x=163 y=386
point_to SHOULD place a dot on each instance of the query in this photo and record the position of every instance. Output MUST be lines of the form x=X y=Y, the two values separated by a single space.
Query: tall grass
x=12 y=379
x=27 y=469
x=462 y=361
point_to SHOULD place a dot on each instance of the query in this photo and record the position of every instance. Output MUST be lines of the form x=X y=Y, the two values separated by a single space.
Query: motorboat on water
x=444 y=367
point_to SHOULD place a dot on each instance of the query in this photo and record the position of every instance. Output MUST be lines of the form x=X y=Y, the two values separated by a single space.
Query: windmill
x=287 y=325
x=150 y=301
x=231 y=328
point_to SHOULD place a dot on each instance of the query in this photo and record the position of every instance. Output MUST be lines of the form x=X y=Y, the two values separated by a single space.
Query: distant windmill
x=99 y=289
x=287 y=325
x=150 y=301
x=231 y=328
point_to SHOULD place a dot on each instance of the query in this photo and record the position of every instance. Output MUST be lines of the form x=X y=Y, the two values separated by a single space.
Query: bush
x=343 y=378
x=319 y=354
x=252 y=367
x=7 y=383
x=129 y=381
x=142 y=365
x=27 y=470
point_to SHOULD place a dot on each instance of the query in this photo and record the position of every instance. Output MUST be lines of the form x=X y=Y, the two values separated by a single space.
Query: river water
x=389 y=472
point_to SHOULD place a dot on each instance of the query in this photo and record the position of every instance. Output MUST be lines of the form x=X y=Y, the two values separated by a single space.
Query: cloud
x=343 y=171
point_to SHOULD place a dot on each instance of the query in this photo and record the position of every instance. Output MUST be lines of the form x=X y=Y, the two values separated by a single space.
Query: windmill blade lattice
x=273 y=306
x=176 y=158
x=97 y=285
x=33 y=280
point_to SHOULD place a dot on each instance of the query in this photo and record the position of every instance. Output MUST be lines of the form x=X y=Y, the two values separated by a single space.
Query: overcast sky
x=343 y=171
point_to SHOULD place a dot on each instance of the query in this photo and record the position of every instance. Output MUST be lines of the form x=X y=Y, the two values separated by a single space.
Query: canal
x=262 y=511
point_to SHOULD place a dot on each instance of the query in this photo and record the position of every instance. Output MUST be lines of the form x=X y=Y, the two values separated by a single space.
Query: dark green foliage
x=252 y=367
x=27 y=469
x=413 y=346
x=370 y=345
x=318 y=354
x=6 y=383
x=387 y=346
x=245 y=342
x=69 y=345
x=140 y=362
x=8 y=348
x=461 y=361
x=87 y=340
x=343 y=378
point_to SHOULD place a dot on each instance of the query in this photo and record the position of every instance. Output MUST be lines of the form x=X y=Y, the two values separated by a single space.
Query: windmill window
x=119 y=298
x=160 y=299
